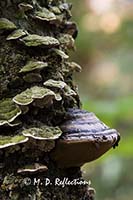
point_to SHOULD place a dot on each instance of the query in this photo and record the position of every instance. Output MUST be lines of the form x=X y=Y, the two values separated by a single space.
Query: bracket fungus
x=72 y=66
x=43 y=133
x=9 y=111
x=43 y=137
x=25 y=6
x=32 y=169
x=34 y=40
x=6 y=24
x=55 y=84
x=33 y=65
x=7 y=141
x=45 y=15
x=17 y=34
x=61 y=86
x=61 y=53
x=84 y=139
x=33 y=94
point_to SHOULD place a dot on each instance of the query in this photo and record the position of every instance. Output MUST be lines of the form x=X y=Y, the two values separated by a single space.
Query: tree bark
x=22 y=53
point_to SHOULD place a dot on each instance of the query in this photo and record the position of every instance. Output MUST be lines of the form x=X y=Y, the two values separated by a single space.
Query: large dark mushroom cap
x=84 y=139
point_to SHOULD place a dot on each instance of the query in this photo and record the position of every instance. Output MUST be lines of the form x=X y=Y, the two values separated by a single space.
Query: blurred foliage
x=104 y=50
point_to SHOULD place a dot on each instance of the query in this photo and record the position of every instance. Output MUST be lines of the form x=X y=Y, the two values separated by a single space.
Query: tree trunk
x=36 y=89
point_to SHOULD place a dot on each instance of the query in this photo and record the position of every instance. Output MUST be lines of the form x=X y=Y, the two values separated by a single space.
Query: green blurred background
x=105 y=52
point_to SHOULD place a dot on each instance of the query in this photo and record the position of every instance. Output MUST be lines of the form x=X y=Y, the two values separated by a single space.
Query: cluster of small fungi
x=36 y=94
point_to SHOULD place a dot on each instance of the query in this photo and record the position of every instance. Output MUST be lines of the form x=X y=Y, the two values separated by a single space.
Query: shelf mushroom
x=6 y=24
x=32 y=169
x=84 y=139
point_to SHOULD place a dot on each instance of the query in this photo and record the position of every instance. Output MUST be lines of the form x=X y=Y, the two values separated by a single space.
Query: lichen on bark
x=35 y=32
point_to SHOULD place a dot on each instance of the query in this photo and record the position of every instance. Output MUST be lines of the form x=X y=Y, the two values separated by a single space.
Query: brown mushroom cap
x=84 y=139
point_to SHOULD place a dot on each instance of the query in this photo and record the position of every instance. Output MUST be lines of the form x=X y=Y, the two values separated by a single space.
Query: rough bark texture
x=18 y=20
